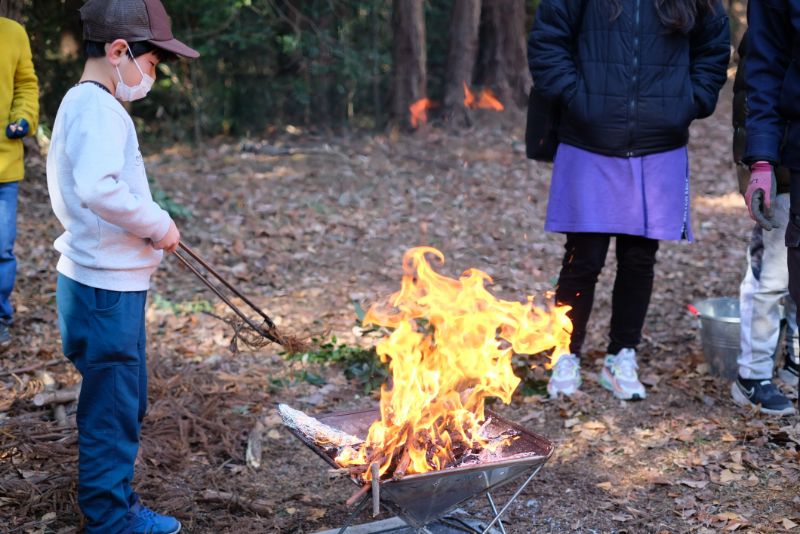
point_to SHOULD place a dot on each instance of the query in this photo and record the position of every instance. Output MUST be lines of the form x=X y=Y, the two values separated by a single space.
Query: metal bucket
x=720 y=334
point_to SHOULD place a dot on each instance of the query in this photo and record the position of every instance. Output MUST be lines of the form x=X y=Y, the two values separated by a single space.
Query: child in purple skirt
x=630 y=76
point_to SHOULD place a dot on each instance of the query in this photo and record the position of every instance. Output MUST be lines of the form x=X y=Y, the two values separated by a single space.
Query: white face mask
x=127 y=93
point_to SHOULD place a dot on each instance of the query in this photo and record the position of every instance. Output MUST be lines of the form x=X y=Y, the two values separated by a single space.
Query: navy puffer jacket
x=627 y=86
x=773 y=82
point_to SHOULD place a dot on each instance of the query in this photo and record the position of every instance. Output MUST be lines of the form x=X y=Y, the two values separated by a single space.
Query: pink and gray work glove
x=760 y=195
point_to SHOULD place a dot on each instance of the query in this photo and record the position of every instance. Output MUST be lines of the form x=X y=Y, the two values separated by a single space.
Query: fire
x=486 y=100
x=419 y=111
x=450 y=348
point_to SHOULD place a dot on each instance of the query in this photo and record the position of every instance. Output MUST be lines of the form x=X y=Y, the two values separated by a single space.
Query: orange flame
x=419 y=111
x=469 y=97
x=486 y=100
x=450 y=348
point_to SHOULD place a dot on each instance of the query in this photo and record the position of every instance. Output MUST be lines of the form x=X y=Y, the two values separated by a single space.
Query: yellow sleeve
x=25 y=104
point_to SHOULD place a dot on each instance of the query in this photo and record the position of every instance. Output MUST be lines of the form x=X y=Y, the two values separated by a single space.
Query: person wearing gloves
x=114 y=238
x=773 y=138
x=19 y=112
x=764 y=301
x=629 y=77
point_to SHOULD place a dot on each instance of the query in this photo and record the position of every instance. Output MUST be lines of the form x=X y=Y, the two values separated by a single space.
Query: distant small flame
x=486 y=100
x=419 y=111
x=469 y=97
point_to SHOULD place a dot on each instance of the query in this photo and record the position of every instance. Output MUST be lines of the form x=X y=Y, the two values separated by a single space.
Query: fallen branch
x=32 y=367
x=255 y=445
x=257 y=506
x=61 y=396
x=357 y=495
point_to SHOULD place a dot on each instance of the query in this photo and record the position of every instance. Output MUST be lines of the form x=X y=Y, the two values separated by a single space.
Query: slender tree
x=409 y=69
x=503 y=63
x=461 y=54
x=12 y=9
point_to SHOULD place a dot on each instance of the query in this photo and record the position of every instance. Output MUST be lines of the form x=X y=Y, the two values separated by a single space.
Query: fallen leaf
x=604 y=486
x=569 y=423
x=315 y=514
x=788 y=524
x=594 y=425
x=727 y=476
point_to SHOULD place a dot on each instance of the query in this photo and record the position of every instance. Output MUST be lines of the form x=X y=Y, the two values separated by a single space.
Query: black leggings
x=584 y=259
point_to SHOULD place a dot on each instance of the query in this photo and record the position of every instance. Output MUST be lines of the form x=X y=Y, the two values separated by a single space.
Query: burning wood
x=450 y=348
x=328 y=437
x=321 y=434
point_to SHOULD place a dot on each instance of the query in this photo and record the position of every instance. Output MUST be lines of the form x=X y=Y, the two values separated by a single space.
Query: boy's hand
x=18 y=129
x=170 y=241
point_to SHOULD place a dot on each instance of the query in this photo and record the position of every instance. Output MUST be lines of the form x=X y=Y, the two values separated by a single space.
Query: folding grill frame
x=422 y=499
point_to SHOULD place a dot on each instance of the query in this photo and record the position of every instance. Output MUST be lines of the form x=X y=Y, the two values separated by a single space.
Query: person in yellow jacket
x=19 y=115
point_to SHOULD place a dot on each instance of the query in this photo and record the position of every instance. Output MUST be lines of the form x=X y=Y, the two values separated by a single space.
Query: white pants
x=764 y=298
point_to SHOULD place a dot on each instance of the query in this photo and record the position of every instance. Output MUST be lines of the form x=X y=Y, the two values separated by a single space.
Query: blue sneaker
x=143 y=520
x=762 y=394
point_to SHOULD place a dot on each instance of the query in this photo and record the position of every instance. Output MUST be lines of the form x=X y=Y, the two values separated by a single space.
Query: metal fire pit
x=423 y=499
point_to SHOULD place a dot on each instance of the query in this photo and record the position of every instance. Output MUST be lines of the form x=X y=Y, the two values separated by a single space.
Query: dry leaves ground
x=306 y=225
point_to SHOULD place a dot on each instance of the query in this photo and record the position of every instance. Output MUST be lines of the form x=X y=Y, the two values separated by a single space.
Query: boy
x=113 y=240
x=19 y=108
x=765 y=284
x=773 y=128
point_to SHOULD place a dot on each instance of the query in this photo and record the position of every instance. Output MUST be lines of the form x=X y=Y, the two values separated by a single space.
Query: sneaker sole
x=561 y=392
x=605 y=381
x=742 y=400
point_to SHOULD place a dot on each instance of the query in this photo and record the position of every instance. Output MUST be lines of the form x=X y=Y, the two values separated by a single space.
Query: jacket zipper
x=684 y=228
x=634 y=78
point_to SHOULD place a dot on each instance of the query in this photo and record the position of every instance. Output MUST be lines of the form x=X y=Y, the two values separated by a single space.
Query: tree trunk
x=461 y=54
x=12 y=9
x=409 y=74
x=503 y=63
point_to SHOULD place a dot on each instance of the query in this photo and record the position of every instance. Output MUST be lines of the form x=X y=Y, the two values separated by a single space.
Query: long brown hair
x=675 y=15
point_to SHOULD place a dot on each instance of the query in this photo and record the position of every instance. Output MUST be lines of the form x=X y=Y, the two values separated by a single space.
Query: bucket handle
x=694 y=311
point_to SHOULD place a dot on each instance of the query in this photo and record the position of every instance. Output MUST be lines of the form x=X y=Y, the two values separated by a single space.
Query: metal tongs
x=270 y=332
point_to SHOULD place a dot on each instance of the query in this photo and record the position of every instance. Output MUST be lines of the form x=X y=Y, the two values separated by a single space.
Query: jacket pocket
x=574 y=108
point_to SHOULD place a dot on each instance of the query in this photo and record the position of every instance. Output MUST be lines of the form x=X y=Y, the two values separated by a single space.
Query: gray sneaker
x=566 y=376
x=620 y=377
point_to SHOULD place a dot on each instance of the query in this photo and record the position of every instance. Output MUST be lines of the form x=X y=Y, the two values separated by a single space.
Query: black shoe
x=761 y=393
x=5 y=337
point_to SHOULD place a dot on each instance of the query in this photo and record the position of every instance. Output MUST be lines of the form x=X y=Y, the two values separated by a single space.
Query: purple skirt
x=645 y=196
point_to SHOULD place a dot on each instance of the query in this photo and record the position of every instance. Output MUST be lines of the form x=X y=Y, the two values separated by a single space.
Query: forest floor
x=306 y=225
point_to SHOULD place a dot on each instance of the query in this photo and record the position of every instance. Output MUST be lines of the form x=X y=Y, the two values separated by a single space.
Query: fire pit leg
x=511 y=500
x=494 y=511
x=357 y=510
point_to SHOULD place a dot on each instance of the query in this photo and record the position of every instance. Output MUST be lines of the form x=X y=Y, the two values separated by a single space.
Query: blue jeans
x=103 y=335
x=8 y=263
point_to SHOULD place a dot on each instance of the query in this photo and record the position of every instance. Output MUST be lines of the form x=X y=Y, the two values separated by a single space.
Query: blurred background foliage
x=317 y=64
